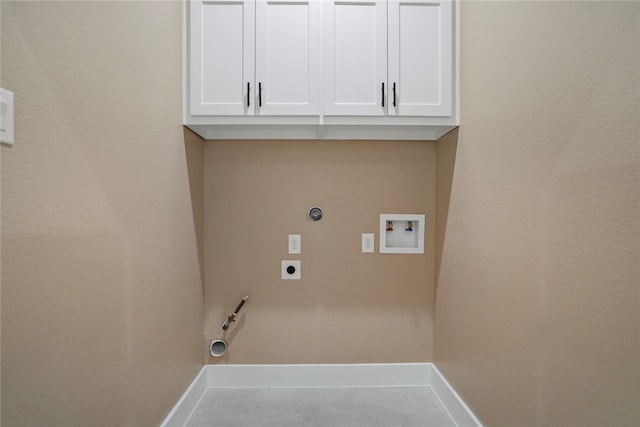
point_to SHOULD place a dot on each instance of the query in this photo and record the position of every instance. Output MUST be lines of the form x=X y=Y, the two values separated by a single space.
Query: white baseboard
x=180 y=413
x=451 y=401
x=329 y=376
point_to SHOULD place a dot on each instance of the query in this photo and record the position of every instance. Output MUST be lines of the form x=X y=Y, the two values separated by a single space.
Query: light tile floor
x=327 y=407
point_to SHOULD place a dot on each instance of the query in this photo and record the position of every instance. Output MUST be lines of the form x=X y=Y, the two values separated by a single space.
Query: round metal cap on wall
x=315 y=213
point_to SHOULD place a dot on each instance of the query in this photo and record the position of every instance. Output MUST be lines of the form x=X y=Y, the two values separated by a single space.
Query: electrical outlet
x=290 y=270
x=295 y=244
x=368 y=242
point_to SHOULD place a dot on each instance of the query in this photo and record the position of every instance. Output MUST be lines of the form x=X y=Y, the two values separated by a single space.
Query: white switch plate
x=6 y=117
x=368 y=242
x=295 y=244
x=295 y=275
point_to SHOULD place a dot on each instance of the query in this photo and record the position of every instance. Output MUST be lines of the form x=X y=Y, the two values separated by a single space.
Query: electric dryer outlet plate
x=290 y=270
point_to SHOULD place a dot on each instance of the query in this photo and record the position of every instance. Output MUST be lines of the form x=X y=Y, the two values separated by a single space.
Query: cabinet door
x=355 y=57
x=222 y=62
x=420 y=57
x=288 y=57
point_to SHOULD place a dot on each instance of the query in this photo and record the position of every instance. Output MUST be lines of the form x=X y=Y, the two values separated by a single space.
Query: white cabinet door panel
x=222 y=38
x=355 y=47
x=420 y=60
x=288 y=57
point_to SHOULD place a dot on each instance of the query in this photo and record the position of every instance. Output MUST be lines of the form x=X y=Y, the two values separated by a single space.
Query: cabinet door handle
x=383 y=94
x=259 y=94
x=394 y=94
x=248 y=94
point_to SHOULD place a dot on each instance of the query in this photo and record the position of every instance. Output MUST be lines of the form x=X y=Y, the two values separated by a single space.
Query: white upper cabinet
x=288 y=57
x=420 y=58
x=222 y=57
x=255 y=57
x=355 y=57
x=388 y=58
x=320 y=69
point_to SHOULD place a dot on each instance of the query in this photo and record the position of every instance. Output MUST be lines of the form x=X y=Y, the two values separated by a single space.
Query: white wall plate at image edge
x=6 y=117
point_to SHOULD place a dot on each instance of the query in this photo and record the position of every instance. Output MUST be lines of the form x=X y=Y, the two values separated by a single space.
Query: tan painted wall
x=537 y=306
x=101 y=290
x=349 y=307
x=537 y=301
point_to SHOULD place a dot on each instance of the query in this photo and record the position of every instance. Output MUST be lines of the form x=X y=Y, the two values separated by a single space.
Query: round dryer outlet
x=290 y=270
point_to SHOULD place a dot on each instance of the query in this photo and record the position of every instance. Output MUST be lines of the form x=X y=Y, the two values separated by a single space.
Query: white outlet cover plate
x=285 y=274
x=295 y=244
x=368 y=242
